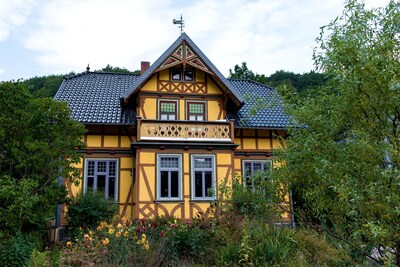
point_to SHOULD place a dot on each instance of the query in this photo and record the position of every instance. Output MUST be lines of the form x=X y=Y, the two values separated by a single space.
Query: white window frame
x=192 y=175
x=159 y=169
x=244 y=177
x=96 y=160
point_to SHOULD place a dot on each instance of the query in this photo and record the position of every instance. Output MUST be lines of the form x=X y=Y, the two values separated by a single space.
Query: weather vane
x=180 y=22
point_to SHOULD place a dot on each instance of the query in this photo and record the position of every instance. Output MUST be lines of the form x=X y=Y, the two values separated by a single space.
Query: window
x=102 y=175
x=203 y=180
x=196 y=111
x=186 y=75
x=251 y=168
x=168 y=110
x=169 y=177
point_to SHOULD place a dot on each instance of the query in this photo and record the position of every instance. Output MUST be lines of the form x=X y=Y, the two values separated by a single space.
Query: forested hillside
x=47 y=86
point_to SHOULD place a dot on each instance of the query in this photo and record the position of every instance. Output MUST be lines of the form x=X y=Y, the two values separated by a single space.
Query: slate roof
x=165 y=55
x=263 y=106
x=94 y=98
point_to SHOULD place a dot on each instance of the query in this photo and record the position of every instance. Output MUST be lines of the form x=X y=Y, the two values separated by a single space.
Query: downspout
x=291 y=209
x=58 y=208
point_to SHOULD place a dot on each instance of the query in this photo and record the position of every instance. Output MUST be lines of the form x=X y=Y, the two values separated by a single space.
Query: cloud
x=13 y=14
x=268 y=35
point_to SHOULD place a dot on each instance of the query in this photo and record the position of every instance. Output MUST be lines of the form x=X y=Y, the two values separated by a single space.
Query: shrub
x=88 y=209
x=17 y=250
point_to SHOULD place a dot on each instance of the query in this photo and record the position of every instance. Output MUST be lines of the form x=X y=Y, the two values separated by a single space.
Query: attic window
x=186 y=75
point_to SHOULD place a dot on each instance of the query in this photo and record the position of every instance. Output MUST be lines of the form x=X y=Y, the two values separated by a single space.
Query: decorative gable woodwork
x=184 y=55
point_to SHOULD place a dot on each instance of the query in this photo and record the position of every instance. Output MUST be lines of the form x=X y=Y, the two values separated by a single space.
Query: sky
x=44 y=37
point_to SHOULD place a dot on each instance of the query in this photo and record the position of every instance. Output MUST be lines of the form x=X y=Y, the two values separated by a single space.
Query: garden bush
x=87 y=210
x=17 y=251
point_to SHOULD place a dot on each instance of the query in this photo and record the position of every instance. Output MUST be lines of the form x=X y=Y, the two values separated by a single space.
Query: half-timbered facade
x=163 y=142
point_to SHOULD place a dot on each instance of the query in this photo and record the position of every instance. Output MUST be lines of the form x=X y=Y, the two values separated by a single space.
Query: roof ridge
x=252 y=81
x=98 y=72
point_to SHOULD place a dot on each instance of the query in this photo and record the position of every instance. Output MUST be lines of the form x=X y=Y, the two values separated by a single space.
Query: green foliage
x=260 y=202
x=243 y=72
x=17 y=251
x=343 y=165
x=44 y=86
x=37 y=144
x=110 y=68
x=38 y=259
x=87 y=210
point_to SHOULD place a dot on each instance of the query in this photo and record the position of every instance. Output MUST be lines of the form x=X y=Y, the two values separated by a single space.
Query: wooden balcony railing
x=209 y=131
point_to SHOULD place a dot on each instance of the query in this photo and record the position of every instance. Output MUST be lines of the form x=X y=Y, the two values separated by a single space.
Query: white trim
x=192 y=170
x=187 y=139
x=256 y=161
x=117 y=172
x=158 y=182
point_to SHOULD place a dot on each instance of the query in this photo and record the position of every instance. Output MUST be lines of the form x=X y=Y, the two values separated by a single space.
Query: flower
x=146 y=247
x=69 y=244
x=118 y=234
x=125 y=234
x=90 y=232
x=143 y=237
x=119 y=226
x=86 y=237
x=162 y=234
x=173 y=225
x=104 y=251
x=105 y=241
x=111 y=231
x=99 y=228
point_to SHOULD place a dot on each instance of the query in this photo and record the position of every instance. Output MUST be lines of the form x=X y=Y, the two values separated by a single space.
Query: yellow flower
x=111 y=231
x=119 y=226
x=105 y=241
x=138 y=242
x=125 y=234
x=90 y=233
x=86 y=237
x=146 y=247
x=123 y=220
x=103 y=224
x=99 y=228
x=69 y=244
x=118 y=234
x=143 y=237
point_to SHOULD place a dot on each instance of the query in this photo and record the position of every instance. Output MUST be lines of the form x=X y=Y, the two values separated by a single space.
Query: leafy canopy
x=344 y=166
x=37 y=144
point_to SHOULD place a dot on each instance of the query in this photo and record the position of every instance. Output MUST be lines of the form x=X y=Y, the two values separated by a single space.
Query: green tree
x=37 y=144
x=343 y=163
x=243 y=72
x=44 y=86
x=110 y=68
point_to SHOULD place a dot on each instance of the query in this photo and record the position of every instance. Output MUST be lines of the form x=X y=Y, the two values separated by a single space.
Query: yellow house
x=163 y=142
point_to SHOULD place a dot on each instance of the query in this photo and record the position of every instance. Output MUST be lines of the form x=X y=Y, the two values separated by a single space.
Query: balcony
x=193 y=131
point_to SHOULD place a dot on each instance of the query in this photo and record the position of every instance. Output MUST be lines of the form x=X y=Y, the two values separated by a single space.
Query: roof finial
x=181 y=23
x=87 y=68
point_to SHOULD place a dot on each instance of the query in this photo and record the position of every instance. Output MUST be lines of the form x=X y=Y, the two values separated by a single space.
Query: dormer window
x=186 y=75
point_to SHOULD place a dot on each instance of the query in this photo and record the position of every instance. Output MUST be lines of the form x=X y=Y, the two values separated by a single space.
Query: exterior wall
x=109 y=142
x=186 y=208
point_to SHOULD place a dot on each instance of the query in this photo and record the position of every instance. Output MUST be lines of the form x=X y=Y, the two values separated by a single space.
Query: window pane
x=168 y=107
x=196 y=108
x=203 y=163
x=172 y=117
x=164 y=184
x=101 y=182
x=198 y=184
x=188 y=75
x=112 y=166
x=101 y=166
x=174 y=184
x=164 y=116
x=200 y=118
x=208 y=182
x=192 y=117
x=111 y=187
x=169 y=162
x=176 y=75
x=90 y=182
x=90 y=168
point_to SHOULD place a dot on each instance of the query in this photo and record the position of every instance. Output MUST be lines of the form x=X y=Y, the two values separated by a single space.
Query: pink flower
x=105 y=251
x=173 y=225
x=162 y=234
